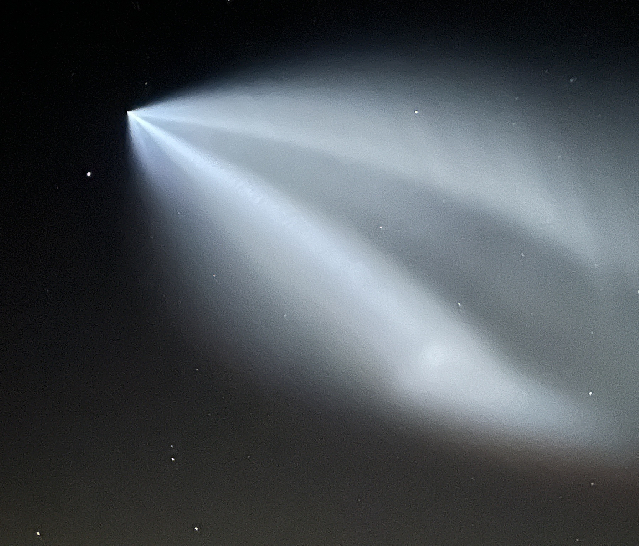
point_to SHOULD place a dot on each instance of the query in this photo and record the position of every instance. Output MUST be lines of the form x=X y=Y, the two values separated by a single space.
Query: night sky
x=134 y=413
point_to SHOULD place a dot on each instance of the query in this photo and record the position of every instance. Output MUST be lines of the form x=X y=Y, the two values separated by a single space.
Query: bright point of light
x=296 y=180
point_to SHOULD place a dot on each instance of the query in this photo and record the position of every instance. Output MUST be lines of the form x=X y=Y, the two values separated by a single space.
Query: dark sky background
x=119 y=425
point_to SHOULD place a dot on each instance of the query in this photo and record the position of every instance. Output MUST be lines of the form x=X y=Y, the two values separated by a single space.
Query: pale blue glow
x=230 y=154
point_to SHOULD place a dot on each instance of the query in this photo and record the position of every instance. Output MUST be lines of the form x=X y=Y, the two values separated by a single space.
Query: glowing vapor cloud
x=260 y=161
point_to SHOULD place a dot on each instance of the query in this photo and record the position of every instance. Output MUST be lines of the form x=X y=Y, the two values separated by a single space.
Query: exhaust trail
x=424 y=245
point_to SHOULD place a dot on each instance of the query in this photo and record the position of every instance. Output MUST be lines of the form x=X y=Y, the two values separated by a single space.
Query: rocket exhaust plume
x=412 y=237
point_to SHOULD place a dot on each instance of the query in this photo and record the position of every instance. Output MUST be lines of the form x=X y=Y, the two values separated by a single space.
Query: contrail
x=423 y=241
